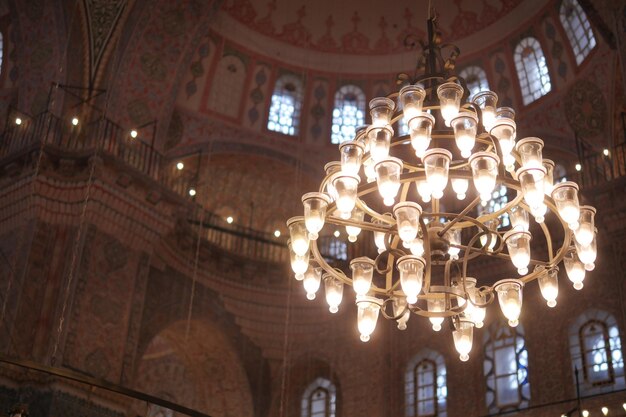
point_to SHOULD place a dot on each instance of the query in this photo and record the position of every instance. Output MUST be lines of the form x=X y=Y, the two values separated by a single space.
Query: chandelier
x=424 y=250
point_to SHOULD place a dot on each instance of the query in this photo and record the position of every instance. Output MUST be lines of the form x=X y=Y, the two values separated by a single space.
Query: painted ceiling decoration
x=102 y=19
x=341 y=27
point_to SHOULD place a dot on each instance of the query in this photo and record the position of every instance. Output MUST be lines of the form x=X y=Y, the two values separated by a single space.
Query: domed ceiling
x=373 y=28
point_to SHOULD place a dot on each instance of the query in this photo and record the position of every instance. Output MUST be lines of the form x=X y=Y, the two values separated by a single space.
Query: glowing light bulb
x=463 y=335
x=334 y=293
x=311 y=281
x=460 y=186
x=315 y=205
x=18 y=121
x=276 y=233
x=298 y=234
x=368 y=309
x=424 y=190
x=510 y=299
x=133 y=133
x=549 y=286
x=192 y=192
x=411 y=269
x=75 y=121
x=436 y=305
x=362 y=273
x=180 y=166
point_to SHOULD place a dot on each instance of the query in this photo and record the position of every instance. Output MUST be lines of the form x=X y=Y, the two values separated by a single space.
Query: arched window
x=284 y=116
x=506 y=368
x=596 y=352
x=348 y=114
x=227 y=87
x=425 y=385
x=475 y=79
x=532 y=70
x=319 y=399
x=578 y=29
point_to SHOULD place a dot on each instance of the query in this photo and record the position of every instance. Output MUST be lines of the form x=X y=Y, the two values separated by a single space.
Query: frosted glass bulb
x=299 y=235
x=460 y=186
x=424 y=190
x=351 y=154
x=510 y=299
x=465 y=127
x=368 y=309
x=407 y=218
x=311 y=282
x=379 y=140
x=315 y=205
x=362 y=273
x=484 y=173
x=388 y=179
x=381 y=111
x=420 y=132
x=412 y=99
x=565 y=196
x=518 y=244
x=346 y=187
x=354 y=231
x=411 y=270
x=530 y=151
x=585 y=232
x=417 y=247
x=463 y=335
x=400 y=310
x=549 y=286
x=450 y=100
x=436 y=305
x=531 y=181
x=489 y=118
x=334 y=293
x=575 y=270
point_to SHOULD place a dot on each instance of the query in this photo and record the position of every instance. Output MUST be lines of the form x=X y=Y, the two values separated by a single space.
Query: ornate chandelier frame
x=411 y=286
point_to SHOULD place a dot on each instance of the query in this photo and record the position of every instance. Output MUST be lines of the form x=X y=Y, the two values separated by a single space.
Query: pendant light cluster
x=455 y=150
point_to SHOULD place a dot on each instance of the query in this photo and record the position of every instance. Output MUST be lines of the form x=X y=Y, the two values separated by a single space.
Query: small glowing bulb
x=180 y=166
x=192 y=192
x=337 y=233
x=133 y=133
x=75 y=121
x=585 y=413
x=606 y=153
x=18 y=121
x=276 y=233
x=230 y=219
x=605 y=410
x=578 y=167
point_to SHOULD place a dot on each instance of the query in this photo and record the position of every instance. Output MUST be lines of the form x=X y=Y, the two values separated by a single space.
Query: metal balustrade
x=104 y=136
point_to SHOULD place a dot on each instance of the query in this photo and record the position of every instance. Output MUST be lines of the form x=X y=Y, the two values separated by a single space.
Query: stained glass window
x=284 y=115
x=348 y=114
x=425 y=385
x=532 y=70
x=596 y=352
x=319 y=399
x=506 y=368
x=577 y=28
x=499 y=199
x=475 y=79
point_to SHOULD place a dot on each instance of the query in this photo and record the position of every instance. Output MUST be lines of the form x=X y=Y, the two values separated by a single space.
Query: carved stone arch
x=195 y=363
x=167 y=304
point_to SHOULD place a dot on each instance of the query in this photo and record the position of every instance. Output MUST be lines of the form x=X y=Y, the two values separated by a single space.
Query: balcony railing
x=103 y=136
x=599 y=168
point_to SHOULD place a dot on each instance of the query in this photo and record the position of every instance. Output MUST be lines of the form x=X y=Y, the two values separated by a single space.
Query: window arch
x=227 y=87
x=596 y=351
x=319 y=399
x=506 y=368
x=348 y=113
x=577 y=28
x=425 y=385
x=532 y=70
x=286 y=105
x=475 y=79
